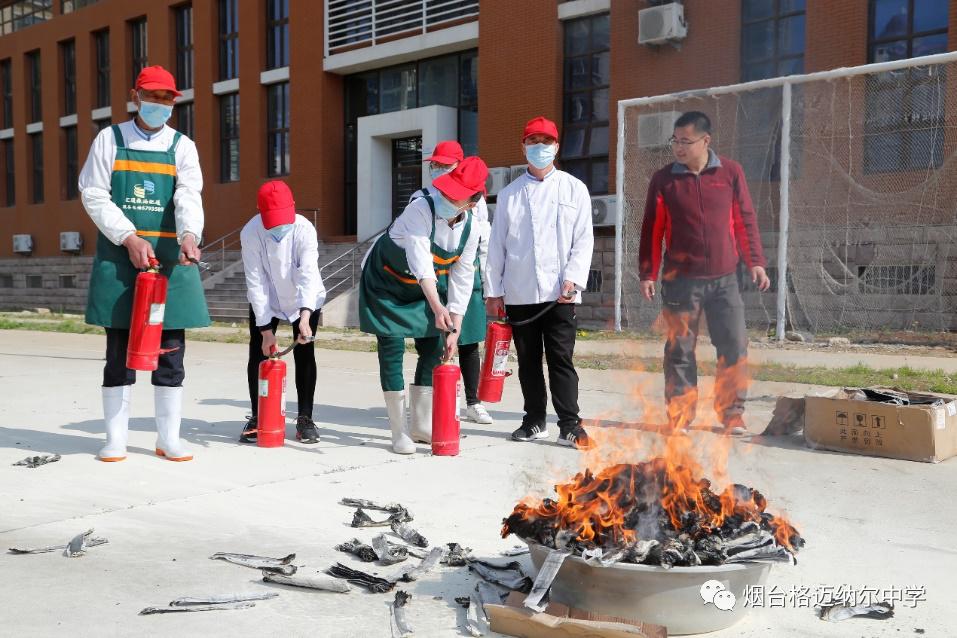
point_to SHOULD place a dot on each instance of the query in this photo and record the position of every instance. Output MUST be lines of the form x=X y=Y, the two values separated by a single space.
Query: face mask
x=444 y=208
x=155 y=115
x=439 y=172
x=279 y=232
x=540 y=155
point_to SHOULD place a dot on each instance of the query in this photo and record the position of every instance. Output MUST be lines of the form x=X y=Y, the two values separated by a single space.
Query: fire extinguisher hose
x=291 y=346
x=541 y=313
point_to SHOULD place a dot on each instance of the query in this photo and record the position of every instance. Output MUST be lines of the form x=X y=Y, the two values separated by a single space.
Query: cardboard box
x=913 y=432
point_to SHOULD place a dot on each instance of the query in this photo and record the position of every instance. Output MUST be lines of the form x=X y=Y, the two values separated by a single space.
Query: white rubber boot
x=116 y=415
x=398 y=423
x=169 y=407
x=421 y=403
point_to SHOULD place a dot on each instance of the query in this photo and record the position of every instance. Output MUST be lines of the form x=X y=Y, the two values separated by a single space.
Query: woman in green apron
x=141 y=186
x=417 y=282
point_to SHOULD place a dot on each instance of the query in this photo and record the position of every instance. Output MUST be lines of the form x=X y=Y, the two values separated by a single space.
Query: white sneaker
x=478 y=414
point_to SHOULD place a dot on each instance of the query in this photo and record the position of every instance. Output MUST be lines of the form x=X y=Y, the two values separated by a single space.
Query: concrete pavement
x=868 y=522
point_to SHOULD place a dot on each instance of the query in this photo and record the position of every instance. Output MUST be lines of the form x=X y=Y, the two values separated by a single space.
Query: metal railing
x=353 y=24
x=347 y=266
x=214 y=252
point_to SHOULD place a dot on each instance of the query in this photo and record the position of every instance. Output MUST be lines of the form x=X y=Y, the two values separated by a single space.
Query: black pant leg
x=681 y=310
x=559 y=329
x=529 y=347
x=115 y=372
x=256 y=357
x=171 y=371
x=304 y=355
x=471 y=366
x=724 y=312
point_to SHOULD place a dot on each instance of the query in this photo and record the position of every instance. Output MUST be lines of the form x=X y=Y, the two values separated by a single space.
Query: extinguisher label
x=459 y=390
x=157 y=310
x=264 y=387
x=500 y=361
x=282 y=399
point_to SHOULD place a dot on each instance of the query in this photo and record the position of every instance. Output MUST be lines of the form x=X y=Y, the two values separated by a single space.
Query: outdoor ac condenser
x=604 y=211
x=498 y=178
x=662 y=24
x=516 y=171
x=71 y=242
x=23 y=244
x=655 y=129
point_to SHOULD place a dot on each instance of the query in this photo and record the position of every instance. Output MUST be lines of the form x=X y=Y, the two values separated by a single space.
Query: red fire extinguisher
x=446 y=389
x=271 y=420
x=146 y=321
x=498 y=338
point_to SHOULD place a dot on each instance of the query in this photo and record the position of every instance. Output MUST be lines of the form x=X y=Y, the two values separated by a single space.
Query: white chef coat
x=281 y=277
x=541 y=236
x=411 y=230
x=94 y=181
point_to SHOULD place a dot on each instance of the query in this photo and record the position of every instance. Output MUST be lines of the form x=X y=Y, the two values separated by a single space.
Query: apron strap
x=428 y=198
x=176 y=138
x=465 y=233
x=118 y=136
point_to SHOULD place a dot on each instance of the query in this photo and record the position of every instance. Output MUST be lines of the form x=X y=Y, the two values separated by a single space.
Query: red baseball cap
x=448 y=152
x=156 y=78
x=464 y=180
x=540 y=125
x=276 y=205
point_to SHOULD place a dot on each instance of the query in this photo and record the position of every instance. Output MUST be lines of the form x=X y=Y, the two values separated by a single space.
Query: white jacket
x=541 y=236
x=281 y=277
x=94 y=181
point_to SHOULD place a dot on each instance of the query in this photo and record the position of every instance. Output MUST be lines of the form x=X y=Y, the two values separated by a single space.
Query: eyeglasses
x=685 y=143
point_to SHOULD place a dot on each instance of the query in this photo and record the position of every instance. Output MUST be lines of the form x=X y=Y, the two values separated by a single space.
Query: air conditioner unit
x=662 y=24
x=655 y=129
x=604 y=211
x=516 y=171
x=498 y=178
x=71 y=242
x=491 y=212
x=23 y=244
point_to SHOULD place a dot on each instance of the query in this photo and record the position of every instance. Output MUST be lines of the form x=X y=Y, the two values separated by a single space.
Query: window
x=6 y=280
x=6 y=79
x=277 y=129
x=277 y=34
x=20 y=15
x=904 y=110
x=909 y=279
x=595 y=280
x=772 y=38
x=101 y=48
x=9 y=181
x=408 y=86
x=67 y=281
x=33 y=77
x=68 y=58
x=184 y=46
x=138 y=47
x=184 y=118
x=36 y=155
x=229 y=137
x=406 y=171
x=70 y=173
x=34 y=281
x=69 y=6
x=584 y=148
x=99 y=125
x=228 y=40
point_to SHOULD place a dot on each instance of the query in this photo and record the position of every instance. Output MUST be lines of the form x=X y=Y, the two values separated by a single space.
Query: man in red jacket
x=699 y=223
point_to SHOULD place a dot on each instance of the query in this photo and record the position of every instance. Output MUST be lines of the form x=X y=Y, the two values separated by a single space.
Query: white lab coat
x=94 y=181
x=411 y=230
x=281 y=277
x=541 y=236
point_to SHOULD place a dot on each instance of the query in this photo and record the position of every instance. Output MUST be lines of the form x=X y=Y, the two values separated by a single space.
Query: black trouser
x=555 y=332
x=682 y=302
x=170 y=372
x=304 y=354
x=471 y=366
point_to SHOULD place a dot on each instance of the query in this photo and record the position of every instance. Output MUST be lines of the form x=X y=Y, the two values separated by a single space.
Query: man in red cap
x=417 y=281
x=281 y=262
x=141 y=185
x=444 y=159
x=538 y=260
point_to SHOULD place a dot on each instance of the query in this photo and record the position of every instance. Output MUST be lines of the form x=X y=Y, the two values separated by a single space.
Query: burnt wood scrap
x=80 y=543
x=389 y=553
x=400 y=620
x=265 y=563
x=37 y=461
x=221 y=599
x=391 y=508
x=654 y=514
x=428 y=564
x=457 y=556
x=407 y=533
x=843 y=611
x=373 y=583
x=321 y=583
x=357 y=548
x=87 y=542
x=361 y=519
x=172 y=610
x=509 y=576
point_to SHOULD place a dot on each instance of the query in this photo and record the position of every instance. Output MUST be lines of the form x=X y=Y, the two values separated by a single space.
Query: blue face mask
x=278 y=233
x=155 y=115
x=540 y=155
x=436 y=172
x=445 y=209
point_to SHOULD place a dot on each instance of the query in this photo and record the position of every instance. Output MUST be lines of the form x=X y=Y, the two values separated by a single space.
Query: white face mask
x=278 y=233
x=541 y=155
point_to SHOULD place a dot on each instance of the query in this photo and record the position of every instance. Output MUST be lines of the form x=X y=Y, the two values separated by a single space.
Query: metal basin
x=669 y=597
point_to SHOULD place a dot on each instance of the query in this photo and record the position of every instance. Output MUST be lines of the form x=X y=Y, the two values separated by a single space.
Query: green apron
x=142 y=186
x=391 y=302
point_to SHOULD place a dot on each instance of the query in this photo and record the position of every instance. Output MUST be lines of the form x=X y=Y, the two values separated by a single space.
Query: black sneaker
x=574 y=436
x=250 y=431
x=306 y=431
x=530 y=432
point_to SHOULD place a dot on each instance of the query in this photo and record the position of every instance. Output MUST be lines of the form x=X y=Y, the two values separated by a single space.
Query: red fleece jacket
x=706 y=223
